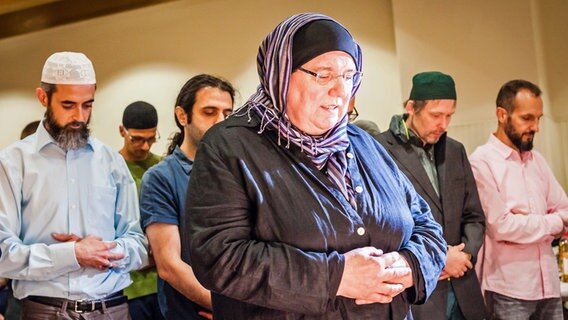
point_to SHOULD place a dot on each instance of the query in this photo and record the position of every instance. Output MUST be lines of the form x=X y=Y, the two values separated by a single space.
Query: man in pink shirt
x=525 y=208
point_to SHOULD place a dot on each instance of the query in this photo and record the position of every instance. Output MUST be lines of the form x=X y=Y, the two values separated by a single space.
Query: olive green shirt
x=144 y=282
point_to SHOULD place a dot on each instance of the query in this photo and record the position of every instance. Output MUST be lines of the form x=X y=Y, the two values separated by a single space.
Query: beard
x=67 y=137
x=517 y=138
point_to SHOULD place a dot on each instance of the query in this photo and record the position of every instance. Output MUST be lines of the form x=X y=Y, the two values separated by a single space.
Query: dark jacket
x=458 y=210
x=266 y=230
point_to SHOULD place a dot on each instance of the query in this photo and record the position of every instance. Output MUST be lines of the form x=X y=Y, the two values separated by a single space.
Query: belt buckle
x=80 y=302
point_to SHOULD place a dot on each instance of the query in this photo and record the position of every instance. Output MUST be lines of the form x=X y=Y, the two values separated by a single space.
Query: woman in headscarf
x=294 y=214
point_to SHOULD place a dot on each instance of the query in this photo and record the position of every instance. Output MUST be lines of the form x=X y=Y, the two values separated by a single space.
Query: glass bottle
x=563 y=257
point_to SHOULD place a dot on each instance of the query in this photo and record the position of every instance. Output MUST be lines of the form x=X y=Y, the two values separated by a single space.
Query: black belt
x=81 y=306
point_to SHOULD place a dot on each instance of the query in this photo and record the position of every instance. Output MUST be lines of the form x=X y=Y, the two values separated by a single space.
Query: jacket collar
x=405 y=134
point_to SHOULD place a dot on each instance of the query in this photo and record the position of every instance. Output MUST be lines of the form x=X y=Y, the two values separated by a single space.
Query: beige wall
x=148 y=54
x=483 y=44
x=554 y=33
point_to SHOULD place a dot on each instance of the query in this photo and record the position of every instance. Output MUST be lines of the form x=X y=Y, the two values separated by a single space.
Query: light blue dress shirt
x=88 y=191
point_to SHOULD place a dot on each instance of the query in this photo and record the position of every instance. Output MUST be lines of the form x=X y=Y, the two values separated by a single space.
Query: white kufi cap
x=68 y=68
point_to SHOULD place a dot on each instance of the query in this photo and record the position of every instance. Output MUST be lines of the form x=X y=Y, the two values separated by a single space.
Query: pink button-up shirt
x=521 y=199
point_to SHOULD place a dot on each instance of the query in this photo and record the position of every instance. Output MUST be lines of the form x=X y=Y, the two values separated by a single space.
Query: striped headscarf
x=274 y=62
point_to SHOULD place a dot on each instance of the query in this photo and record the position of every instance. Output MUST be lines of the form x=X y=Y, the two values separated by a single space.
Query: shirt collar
x=183 y=160
x=507 y=152
x=44 y=138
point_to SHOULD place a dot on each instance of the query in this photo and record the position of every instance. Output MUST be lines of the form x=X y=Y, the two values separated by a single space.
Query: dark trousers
x=4 y=294
x=145 y=308
x=38 y=311
x=14 y=308
x=506 y=308
x=453 y=311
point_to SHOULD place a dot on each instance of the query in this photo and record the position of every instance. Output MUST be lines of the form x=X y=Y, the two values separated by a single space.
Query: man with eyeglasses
x=438 y=168
x=139 y=129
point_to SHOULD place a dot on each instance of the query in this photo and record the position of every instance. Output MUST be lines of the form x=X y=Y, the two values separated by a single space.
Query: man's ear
x=181 y=116
x=121 y=130
x=409 y=107
x=42 y=96
x=501 y=115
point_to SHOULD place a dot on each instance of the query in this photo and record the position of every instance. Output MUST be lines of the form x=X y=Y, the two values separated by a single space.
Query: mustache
x=80 y=124
x=532 y=133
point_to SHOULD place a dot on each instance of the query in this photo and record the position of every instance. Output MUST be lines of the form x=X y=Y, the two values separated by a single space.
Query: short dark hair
x=186 y=100
x=140 y=115
x=508 y=92
x=29 y=129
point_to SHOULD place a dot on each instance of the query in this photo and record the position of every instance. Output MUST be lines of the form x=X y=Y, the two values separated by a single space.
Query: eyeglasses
x=137 y=140
x=353 y=114
x=325 y=77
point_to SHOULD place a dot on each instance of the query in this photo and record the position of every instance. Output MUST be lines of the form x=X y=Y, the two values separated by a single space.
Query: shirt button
x=360 y=231
x=73 y=206
x=358 y=189
x=72 y=180
x=349 y=155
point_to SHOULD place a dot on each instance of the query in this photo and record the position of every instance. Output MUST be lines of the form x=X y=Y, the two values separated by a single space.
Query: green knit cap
x=432 y=85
